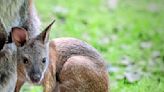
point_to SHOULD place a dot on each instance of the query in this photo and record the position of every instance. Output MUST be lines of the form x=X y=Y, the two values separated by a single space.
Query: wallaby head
x=32 y=53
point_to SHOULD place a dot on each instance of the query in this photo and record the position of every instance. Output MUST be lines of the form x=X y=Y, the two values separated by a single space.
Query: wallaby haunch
x=61 y=65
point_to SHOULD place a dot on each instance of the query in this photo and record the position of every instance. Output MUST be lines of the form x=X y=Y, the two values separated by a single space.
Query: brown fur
x=49 y=81
x=79 y=67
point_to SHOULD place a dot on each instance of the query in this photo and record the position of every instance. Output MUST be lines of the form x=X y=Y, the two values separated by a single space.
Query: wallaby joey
x=60 y=65
x=8 y=74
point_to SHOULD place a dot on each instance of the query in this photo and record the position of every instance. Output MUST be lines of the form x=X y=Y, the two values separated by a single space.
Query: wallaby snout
x=35 y=77
x=35 y=74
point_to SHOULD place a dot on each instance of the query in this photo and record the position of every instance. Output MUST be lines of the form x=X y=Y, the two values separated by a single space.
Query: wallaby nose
x=35 y=78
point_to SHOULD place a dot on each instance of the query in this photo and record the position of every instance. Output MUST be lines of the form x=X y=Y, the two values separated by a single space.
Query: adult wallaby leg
x=8 y=75
x=7 y=72
x=80 y=74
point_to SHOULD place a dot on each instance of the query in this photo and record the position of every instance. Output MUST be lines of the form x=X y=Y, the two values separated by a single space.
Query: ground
x=128 y=34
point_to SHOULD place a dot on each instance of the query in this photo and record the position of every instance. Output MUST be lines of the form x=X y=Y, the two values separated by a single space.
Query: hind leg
x=80 y=74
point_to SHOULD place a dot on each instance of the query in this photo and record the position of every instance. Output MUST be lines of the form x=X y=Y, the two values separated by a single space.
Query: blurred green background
x=128 y=33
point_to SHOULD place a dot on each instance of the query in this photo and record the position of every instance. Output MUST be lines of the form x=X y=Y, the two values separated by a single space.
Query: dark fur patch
x=2 y=40
x=3 y=78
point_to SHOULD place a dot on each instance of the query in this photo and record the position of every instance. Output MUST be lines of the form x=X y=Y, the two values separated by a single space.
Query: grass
x=115 y=33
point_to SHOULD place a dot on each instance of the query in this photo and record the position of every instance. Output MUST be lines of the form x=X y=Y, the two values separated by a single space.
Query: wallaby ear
x=3 y=38
x=19 y=36
x=44 y=35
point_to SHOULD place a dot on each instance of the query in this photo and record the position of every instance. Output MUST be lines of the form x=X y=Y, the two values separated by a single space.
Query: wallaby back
x=68 y=47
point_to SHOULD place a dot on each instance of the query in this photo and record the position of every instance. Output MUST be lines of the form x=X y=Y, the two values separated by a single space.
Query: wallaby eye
x=44 y=60
x=25 y=61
